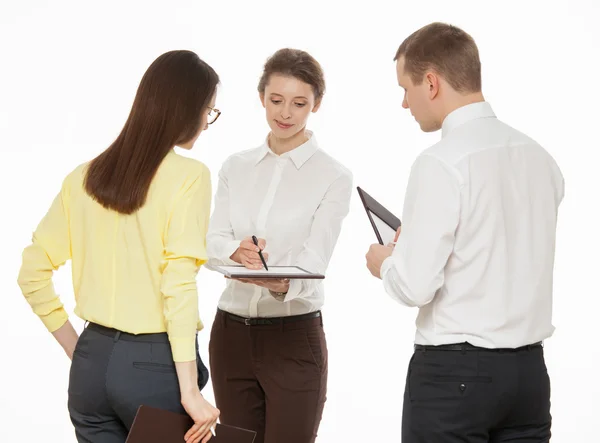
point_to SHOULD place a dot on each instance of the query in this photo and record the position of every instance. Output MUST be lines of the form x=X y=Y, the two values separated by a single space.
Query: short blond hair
x=445 y=49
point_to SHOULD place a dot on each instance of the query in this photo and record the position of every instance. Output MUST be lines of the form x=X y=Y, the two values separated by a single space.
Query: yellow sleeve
x=185 y=252
x=50 y=249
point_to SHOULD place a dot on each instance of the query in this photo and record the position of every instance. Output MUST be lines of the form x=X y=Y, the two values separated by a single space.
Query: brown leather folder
x=152 y=425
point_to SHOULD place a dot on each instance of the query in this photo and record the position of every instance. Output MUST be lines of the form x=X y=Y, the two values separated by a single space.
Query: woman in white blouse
x=268 y=352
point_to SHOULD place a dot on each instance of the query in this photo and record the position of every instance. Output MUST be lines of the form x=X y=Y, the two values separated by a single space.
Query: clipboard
x=384 y=223
x=152 y=425
x=289 y=272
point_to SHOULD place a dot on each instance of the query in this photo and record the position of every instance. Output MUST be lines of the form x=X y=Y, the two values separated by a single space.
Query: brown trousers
x=270 y=378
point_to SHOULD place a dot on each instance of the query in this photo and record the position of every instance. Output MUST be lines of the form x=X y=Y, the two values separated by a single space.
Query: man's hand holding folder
x=378 y=253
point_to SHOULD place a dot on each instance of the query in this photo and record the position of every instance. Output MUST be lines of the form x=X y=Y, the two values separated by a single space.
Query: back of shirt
x=482 y=204
x=135 y=273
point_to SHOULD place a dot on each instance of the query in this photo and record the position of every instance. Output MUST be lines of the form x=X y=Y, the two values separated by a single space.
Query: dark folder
x=153 y=425
x=385 y=224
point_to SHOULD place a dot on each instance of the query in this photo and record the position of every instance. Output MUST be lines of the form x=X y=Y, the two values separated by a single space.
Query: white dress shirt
x=476 y=251
x=297 y=202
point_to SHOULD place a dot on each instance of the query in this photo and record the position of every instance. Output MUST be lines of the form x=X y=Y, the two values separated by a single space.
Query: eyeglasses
x=213 y=115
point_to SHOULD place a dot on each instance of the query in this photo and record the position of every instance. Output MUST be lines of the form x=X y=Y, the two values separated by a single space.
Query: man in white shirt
x=475 y=255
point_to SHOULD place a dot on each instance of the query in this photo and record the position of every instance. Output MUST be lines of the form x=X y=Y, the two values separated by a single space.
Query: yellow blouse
x=136 y=273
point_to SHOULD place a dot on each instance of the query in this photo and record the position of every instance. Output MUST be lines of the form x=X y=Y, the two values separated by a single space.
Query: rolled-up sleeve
x=185 y=252
x=50 y=248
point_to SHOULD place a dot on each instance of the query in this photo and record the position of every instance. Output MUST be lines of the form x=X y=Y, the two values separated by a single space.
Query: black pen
x=255 y=240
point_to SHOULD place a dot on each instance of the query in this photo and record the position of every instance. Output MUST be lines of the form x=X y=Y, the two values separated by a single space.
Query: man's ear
x=433 y=83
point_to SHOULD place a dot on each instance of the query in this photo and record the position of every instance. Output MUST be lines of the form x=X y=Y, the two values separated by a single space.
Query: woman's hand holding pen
x=247 y=253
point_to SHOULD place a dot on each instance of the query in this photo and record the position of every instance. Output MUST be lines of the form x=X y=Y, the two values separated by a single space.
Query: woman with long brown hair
x=133 y=223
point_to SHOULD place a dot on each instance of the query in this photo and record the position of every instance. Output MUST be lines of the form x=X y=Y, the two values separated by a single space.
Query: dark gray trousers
x=113 y=374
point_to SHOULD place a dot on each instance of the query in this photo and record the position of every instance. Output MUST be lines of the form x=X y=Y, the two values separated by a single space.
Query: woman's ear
x=316 y=106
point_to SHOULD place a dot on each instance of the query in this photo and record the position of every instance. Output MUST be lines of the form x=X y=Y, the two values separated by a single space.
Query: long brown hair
x=167 y=111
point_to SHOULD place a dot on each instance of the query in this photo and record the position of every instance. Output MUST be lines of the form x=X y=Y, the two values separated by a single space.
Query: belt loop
x=321 y=318
x=117 y=336
x=463 y=349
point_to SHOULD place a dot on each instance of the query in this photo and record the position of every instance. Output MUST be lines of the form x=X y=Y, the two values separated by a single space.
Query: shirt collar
x=299 y=155
x=465 y=114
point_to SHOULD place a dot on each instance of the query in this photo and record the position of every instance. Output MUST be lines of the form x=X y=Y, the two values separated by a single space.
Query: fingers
x=251 y=260
x=191 y=433
x=197 y=436
x=397 y=233
x=207 y=437
x=248 y=245
x=210 y=425
x=252 y=264
x=209 y=434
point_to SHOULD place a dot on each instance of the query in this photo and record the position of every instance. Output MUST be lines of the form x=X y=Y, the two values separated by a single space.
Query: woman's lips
x=283 y=125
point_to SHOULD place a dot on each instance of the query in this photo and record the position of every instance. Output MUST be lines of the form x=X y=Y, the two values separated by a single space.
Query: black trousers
x=114 y=373
x=473 y=395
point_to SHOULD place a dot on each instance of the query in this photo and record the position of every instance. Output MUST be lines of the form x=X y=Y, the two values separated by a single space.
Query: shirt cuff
x=387 y=264
x=183 y=349
x=55 y=319
x=228 y=249
x=294 y=291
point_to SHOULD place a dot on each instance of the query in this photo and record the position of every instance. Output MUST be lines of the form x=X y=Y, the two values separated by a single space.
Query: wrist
x=190 y=392
x=235 y=256
x=283 y=288
x=69 y=350
x=280 y=291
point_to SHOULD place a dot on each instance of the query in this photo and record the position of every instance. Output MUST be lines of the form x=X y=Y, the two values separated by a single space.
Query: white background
x=68 y=75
